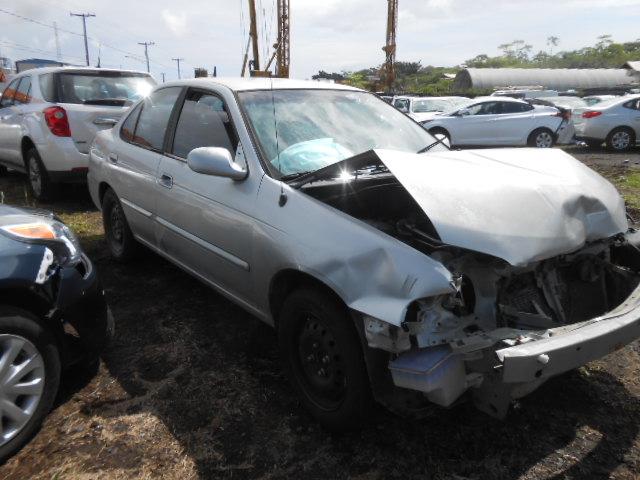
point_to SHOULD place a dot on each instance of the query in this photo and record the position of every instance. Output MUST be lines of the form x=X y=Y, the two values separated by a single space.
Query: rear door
x=10 y=123
x=134 y=162
x=93 y=100
x=634 y=115
x=205 y=222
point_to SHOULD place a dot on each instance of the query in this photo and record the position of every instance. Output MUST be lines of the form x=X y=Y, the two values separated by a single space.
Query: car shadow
x=70 y=198
x=211 y=373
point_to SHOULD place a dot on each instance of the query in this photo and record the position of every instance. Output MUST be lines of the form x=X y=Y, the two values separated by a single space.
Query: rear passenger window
x=23 y=94
x=154 y=118
x=8 y=94
x=513 y=107
x=127 y=131
x=203 y=122
x=48 y=87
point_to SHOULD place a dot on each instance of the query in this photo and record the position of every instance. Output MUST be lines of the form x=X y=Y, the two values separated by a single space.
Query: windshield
x=103 y=86
x=317 y=128
x=432 y=105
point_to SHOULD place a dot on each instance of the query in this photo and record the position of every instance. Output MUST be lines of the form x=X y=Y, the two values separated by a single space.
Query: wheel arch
x=286 y=281
x=102 y=189
x=25 y=145
x=623 y=127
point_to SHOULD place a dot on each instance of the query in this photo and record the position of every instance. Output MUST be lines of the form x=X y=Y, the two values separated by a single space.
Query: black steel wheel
x=122 y=245
x=324 y=359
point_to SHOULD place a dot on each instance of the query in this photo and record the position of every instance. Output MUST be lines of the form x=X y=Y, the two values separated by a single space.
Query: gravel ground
x=192 y=388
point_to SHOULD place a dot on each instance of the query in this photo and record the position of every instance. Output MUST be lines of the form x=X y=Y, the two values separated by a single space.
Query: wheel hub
x=620 y=140
x=322 y=363
x=544 y=140
x=34 y=176
x=22 y=377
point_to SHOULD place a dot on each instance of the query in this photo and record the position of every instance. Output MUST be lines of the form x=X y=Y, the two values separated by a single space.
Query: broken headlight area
x=449 y=344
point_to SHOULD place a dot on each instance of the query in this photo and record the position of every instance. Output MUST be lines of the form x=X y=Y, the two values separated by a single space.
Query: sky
x=330 y=35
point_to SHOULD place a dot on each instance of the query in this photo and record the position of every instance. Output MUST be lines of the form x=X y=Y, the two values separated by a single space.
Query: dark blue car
x=52 y=315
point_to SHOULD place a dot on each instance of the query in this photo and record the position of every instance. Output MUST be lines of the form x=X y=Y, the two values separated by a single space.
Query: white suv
x=49 y=116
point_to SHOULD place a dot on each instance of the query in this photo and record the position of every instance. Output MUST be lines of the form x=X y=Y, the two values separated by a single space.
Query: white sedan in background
x=615 y=122
x=501 y=121
x=426 y=108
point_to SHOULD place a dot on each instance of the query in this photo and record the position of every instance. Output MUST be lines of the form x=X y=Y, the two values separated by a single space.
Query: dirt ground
x=191 y=387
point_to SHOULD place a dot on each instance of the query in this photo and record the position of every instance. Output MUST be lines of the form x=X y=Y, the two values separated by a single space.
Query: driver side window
x=203 y=122
x=486 y=108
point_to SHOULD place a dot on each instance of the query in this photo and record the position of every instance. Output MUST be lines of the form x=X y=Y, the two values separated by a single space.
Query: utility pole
x=146 y=51
x=283 y=57
x=58 y=50
x=162 y=77
x=84 y=29
x=253 y=33
x=178 y=60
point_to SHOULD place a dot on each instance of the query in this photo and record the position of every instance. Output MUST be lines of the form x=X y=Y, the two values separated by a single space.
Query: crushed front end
x=504 y=330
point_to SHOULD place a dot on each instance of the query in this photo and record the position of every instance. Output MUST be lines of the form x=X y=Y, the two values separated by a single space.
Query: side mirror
x=215 y=161
x=463 y=113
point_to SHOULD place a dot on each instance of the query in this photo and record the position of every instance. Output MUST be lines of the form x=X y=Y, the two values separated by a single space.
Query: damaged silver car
x=393 y=268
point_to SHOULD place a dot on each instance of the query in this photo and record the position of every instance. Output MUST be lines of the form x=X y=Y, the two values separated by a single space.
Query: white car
x=501 y=121
x=615 y=122
x=426 y=108
x=49 y=116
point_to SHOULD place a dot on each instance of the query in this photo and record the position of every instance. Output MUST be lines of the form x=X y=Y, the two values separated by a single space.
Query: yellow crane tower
x=281 y=51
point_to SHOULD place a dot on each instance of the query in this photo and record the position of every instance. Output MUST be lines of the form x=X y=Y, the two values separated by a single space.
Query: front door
x=205 y=222
x=13 y=97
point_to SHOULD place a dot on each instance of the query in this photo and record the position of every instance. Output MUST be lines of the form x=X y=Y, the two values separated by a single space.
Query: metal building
x=550 y=78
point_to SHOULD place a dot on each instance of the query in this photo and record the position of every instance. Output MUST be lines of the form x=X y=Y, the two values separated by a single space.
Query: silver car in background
x=391 y=267
x=615 y=122
x=501 y=121
x=49 y=116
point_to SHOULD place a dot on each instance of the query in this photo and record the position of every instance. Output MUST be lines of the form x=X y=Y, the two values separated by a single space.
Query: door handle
x=166 y=180
x=113 y=158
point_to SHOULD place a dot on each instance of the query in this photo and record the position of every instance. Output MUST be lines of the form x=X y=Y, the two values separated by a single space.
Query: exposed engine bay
x=447 y=343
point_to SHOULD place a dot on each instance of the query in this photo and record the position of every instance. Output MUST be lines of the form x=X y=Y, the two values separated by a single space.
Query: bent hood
x=521 y=205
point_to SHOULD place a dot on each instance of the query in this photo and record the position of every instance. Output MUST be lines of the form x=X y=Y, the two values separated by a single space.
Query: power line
x=84 y=17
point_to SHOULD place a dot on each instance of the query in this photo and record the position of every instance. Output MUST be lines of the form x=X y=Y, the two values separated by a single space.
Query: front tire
x=122 y=246
x=541 y=138
x=40 y=183
x=324 y=360
x=29 y=377
x=621 y=139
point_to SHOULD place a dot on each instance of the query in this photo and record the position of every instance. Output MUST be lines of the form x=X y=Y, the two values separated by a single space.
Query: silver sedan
x=393 y=268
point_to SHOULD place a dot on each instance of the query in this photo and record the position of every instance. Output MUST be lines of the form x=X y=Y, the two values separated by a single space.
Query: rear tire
x=40 y=183
x=621 y=139
x=323 y=358
x=122 y=246
x=35 y=351
x=541 y=138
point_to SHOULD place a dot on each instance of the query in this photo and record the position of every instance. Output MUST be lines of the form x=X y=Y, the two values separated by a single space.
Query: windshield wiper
x=291 y=176
x=431 y=145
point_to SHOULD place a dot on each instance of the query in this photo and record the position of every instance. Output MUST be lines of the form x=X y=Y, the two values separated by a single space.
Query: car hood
x=521 y=205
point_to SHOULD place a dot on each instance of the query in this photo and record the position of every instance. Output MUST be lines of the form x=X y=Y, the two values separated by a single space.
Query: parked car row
x=438 y=288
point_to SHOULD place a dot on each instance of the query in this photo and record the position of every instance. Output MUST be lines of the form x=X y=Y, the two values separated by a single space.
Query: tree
x=552 y=41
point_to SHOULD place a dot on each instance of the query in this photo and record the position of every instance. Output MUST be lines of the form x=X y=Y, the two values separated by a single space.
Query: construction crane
x=388 y=71
x=281 y=51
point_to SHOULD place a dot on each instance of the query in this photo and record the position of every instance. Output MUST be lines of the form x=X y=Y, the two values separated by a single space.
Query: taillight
x=57 y=121
x=591 y=114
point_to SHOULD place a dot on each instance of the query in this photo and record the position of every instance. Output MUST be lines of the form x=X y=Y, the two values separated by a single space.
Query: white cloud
x=177 y=22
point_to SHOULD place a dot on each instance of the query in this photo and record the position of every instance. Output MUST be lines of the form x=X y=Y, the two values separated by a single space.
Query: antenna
x=282 y=201
x=57 y=38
